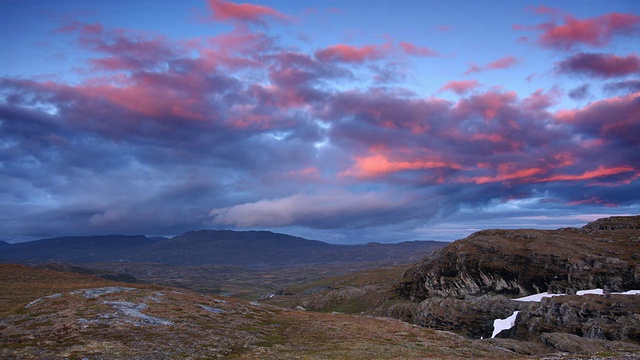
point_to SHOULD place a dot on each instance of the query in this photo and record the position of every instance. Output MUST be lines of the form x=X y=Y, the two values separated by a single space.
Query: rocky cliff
x=602 y=254
x=610 y=317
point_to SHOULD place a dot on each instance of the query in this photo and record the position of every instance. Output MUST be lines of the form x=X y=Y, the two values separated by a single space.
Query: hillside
x=249 y=249
x=603 y=254
x=472 y=282
x=468 y=284
x=54 y=315
x=463 y=288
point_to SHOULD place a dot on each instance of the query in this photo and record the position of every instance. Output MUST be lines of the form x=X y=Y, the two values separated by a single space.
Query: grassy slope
x=73 y=326
x=357 y=292
x=21 y=285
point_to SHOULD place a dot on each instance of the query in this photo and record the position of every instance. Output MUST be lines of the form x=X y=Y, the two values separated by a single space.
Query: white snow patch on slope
x=590 y=292
x=504 y=324
x=630 y=292
x=536 y=297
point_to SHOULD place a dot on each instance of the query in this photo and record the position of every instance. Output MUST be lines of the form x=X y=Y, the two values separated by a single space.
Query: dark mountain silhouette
x=251 y=249
x=79 y=249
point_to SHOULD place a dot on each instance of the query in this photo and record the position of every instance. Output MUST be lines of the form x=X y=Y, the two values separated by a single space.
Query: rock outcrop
x=603 y=254
x=603 y=317
x=468 y=284
x=472 y=317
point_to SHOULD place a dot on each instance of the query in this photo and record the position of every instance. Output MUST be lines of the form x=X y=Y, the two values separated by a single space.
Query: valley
x=417 y=300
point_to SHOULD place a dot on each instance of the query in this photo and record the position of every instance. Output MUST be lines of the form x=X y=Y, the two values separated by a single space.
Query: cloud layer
x=239 y=130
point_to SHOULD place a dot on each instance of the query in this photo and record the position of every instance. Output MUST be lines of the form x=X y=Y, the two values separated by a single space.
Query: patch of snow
x=630 y=292
x=590 y=292
x=537 y=297
x=504 y=324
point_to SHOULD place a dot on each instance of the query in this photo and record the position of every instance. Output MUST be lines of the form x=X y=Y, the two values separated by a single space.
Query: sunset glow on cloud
x=333 y=123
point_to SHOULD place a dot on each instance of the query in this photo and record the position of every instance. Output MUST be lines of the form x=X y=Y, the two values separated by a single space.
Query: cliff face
x=602 y=254
x=610 y=317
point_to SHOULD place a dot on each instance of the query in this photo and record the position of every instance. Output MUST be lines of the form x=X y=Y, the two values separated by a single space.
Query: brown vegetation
x=124 y=322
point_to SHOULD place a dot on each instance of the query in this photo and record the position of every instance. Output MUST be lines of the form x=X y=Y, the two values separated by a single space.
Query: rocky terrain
x=603 y=254
x=47 y=314
x=609 y=317
x=468 y=283
x=471 y=282
x=444 y=306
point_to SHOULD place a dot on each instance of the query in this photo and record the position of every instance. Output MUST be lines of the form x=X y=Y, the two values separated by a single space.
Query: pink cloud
x=597 y=31
x=507 y=173
x=379 y=164
x=600 y=65
x=601 y=171
x=540 y=101
x=360 y=54
x=503 y=63
x=593 y=200
x=351 y=54
x=489 y=105
x=235 y=50
x=495 y=138
x=460 y=87
x=247 y=13
x=149 y=100
x=87 y=29
x=545 y=10
x=414 y=50
x=613 y=119
x=125 y=50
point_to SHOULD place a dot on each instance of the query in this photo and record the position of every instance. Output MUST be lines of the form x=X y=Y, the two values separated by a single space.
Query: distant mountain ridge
x=252 y=249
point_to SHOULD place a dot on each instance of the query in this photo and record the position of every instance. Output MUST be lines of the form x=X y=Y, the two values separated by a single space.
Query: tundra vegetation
x=443 y=305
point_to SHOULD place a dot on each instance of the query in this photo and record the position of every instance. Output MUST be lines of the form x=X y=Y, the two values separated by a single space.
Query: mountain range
x=249 y=249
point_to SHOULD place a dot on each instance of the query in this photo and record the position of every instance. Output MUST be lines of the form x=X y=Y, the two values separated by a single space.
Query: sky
x=341 y=121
